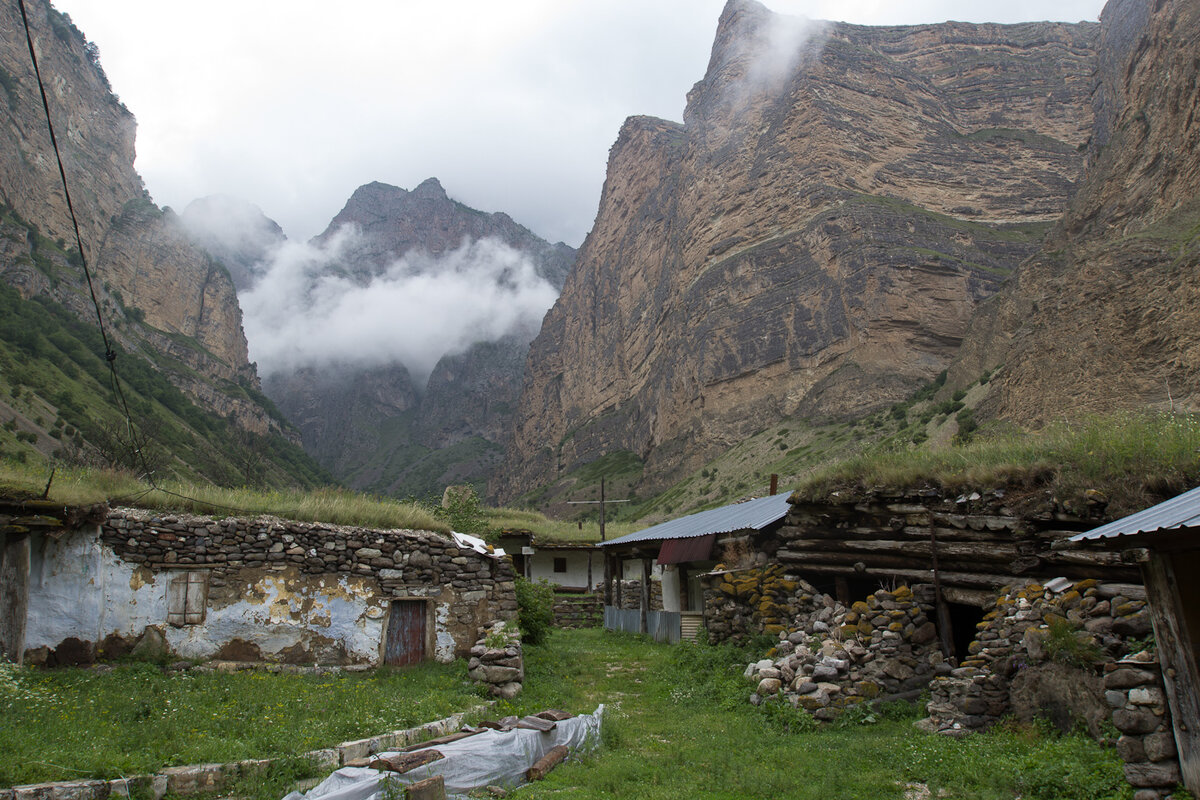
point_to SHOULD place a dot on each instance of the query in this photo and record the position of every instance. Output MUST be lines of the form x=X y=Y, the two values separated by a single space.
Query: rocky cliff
x=174 y=303
x=376 y=426
x=813 y=239
x=1105 y=315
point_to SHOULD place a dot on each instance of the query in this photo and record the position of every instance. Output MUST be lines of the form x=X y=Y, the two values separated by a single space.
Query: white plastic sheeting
x=485 y=759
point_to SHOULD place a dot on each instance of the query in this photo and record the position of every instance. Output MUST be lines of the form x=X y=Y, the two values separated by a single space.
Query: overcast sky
x=292 y=104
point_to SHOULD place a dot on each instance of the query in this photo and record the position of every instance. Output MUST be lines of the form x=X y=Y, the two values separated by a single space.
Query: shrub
x=535 y=609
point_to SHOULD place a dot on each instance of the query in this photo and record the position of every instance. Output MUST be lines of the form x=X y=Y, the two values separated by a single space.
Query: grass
x=558 y=530
x=1133 y=459
x=678 y=724
x=87 y=486
x=136 y=719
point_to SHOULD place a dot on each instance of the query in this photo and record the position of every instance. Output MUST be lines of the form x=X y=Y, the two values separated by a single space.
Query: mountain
x=812 y=240
x=234 y=232
x=170 y=308
x=1105 y=316
x=379 y=425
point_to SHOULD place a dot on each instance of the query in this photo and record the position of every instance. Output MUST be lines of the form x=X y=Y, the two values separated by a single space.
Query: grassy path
x=680 y=727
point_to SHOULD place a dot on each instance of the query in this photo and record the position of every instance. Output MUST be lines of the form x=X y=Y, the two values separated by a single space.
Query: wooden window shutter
x=177 y=586
x=197 y=598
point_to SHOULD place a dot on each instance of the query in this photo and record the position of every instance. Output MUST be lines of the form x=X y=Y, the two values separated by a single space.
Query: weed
x=1068 y=645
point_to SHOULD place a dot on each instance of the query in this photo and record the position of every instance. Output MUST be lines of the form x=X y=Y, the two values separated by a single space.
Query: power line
x=110 y=355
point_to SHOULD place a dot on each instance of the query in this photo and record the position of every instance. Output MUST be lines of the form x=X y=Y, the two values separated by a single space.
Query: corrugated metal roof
x=1178 y=512
x=751 y=515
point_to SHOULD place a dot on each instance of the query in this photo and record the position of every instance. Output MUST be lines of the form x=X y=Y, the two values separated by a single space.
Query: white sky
x=292 y=104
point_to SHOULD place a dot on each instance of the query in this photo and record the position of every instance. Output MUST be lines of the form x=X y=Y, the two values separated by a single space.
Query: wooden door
x=405 y=642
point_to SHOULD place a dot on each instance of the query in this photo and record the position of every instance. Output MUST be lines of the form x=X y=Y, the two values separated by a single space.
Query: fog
x=305 y=310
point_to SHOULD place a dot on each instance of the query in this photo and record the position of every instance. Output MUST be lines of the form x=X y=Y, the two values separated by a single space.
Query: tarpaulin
x=485 y=759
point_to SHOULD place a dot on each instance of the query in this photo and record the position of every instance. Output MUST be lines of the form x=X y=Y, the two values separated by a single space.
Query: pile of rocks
x=1015 y=635
x=1133 y=687
x=881 y=647
x=631 y=595
x=497 y=660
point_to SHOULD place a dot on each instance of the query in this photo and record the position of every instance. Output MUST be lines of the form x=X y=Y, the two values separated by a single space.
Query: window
x=560 y=565
x=187 y=597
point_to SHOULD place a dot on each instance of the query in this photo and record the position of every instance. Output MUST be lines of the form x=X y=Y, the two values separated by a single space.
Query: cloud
x=306 y=311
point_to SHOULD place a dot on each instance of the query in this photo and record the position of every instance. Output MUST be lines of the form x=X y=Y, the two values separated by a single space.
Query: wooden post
x=945 y=633
x=774 y=484
x=602 y=504
x=14 y=594
x=1176 y=653
x=608 y=575
x=589 y=577
x=618 y=600
x=643 y=626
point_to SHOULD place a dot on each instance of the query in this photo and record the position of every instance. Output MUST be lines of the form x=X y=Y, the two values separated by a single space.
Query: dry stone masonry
x=497 y=660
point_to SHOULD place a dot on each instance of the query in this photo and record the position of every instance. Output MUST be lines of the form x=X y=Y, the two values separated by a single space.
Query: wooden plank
x=405 y=762
x=1176 y=646
x=532 y=723
x=645 y=607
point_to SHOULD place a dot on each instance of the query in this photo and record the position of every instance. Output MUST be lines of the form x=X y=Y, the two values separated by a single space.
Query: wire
x=110 y=355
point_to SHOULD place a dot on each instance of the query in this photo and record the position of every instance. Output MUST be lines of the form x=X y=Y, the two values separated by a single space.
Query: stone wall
x=833 y=657
x=1134 y=689
x=1085 y=623
x=260 y=589
x=578 y=610
x=741 y=604
x=631 y=595
x=498 y=660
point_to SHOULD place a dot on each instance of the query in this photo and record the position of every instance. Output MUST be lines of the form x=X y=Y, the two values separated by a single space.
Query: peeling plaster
x=443 y=648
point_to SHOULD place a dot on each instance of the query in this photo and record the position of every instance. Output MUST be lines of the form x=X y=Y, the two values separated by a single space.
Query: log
x=404 y=762
x=429 y=789
x=541 y=768
x=454 y=737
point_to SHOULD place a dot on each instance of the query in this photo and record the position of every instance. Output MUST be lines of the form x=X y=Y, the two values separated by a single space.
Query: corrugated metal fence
x=663 y=626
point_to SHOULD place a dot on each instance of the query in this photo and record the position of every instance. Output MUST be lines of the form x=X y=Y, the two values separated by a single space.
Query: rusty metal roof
x=1178 y=512
x=751 y=515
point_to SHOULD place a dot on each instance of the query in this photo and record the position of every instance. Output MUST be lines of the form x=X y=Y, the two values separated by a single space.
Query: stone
x=1127 y=678
x=1159 y=746
x=1130 y=749
x=1146 y=696
x=1135 y=720
x=768 y=687
x=1148 y=774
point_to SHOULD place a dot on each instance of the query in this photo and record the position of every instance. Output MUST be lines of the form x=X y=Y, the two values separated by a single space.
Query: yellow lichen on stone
x=864 y=627
x=861 y=607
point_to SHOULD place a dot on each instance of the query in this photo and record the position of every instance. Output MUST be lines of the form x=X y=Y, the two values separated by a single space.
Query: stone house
x=236 y=589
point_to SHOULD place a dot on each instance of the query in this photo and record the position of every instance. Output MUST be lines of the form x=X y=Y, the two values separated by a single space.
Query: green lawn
x=135 y=719
x=678 y=726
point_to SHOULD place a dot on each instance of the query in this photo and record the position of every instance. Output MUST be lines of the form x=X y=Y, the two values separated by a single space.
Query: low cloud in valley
x=306 y=311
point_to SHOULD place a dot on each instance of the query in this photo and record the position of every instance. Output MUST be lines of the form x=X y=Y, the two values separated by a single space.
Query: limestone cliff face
x=1105 y=315
x=375 y=427
x=812 y=240
x=141 y=257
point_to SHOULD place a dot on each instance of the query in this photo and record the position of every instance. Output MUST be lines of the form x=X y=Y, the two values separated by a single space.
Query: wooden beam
x=1177 y=652
x=643 y=625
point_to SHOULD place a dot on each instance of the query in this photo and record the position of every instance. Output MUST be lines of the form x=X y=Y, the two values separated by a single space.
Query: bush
x=535 y=609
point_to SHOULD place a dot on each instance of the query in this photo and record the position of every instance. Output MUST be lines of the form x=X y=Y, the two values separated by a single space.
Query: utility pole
x=608 y=570
x=602 y=502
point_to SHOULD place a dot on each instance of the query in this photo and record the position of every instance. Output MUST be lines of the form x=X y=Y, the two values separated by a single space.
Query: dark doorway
x=405 y=642
x=963 y=619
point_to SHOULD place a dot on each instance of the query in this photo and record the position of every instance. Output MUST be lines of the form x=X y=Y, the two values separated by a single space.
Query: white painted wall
x=542 y=566
x=79 y=588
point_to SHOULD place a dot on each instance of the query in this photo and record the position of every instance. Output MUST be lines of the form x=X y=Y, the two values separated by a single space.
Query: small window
x=187 y=598
x=560 y=565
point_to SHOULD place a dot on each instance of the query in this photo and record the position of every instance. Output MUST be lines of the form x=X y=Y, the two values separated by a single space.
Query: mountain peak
x=430 y=188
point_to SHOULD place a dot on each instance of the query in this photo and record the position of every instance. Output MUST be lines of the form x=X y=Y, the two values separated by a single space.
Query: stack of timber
x=975 y=542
